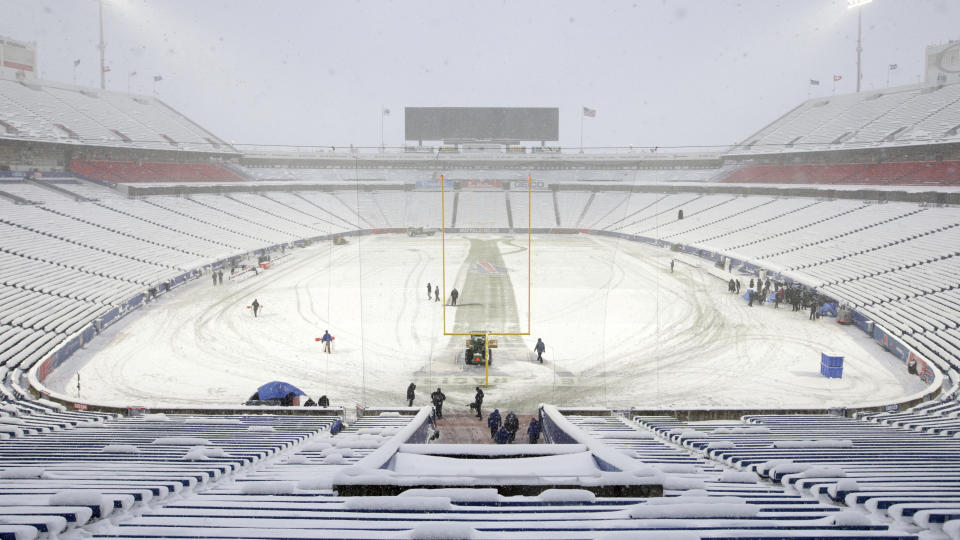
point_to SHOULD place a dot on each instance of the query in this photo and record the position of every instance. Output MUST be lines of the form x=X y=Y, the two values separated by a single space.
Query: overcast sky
x=310 y=72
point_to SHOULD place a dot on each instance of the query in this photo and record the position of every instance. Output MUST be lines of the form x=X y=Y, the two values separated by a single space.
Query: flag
x=814 y=82
x=837 y=78
x=76 y=62
x=386 y=111
x=106 y=69
x=157 y=78
x=893 y=66
x=592 y=113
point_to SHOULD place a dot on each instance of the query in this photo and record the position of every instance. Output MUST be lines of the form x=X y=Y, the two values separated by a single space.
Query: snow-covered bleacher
x=889 y=117
x=44 y=111
x=64 y=470
x=884 y=468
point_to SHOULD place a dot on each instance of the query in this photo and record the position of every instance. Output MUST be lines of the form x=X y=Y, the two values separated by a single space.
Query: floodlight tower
x=859 y=5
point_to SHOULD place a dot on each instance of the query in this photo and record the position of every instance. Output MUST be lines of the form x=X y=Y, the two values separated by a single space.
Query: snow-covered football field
x=620 y=330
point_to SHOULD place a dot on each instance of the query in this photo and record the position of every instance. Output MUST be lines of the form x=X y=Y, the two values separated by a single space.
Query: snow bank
x=789 y=468
x=442 y=531
x=297 y=460
x=680 y=482
x=317 y=482
x=182 y=441
x=155 y=417
x=739 y=477
x=566 y=495
x=815 y=443
x=848 y=518
x=408 y=504
x=9 y=408
x=473 y=495
x=268 y=488
x=120 y=449
x=76 y=497
x=21 y=473
x=721 y=445
x=261 y=428
x=693 y=434
x=12 y=420
x=700 y=496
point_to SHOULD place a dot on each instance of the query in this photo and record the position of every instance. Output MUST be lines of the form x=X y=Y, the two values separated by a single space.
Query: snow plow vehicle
x=477 y=345
x=420 y=231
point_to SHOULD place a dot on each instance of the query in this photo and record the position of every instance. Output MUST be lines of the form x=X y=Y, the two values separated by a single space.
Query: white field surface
x=620 y=329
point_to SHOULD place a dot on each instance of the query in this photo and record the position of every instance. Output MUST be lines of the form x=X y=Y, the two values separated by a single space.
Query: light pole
x=103 y=50
x=859 y=5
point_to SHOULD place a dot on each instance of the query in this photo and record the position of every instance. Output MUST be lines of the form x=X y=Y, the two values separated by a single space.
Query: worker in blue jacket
x=494 y=422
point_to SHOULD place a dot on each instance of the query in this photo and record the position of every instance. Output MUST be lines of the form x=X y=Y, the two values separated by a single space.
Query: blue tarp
x=278 y=389
x=829 y=310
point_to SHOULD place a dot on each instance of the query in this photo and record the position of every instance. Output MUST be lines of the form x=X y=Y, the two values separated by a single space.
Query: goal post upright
x=443 y=255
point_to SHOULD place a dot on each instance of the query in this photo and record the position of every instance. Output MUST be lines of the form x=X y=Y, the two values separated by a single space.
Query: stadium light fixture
x=858 y=4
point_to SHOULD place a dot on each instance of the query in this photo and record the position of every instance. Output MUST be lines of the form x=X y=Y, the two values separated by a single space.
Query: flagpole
x=581 y=128
x=381 y=128
x=103 y=47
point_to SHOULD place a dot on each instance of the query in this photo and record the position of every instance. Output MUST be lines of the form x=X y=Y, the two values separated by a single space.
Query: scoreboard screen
x=491 y=124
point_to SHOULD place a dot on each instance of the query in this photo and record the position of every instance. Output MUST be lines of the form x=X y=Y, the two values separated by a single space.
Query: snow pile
x=566 y=495
x=739 y=477
x=19 y=532
x=334 y=459
x=368 y=431
x=952 y=529
x=693 y=434
x=444 y=530
x=208 y=420
x=360 y=441
x=400 y=504
x=471 y=495
x=261 y=428
x=297 y=460
x=788 y=467
x=823 y=472
x=815 y=443
x=22 y=473
x=77 y=497
x=9 y=408
x=14 y=431
x=681 y=482
x=343 y=452
x=12 y=420
x=120 y=449
x=845 y=485
x=201 y=453
x=390 y=413
x=268 y=488
x=155 y=417
x=182 y=441
x=649 y=535
x=645 y=471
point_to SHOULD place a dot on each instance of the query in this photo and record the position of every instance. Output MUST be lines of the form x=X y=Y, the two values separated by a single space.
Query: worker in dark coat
x=512 y=424
x=429 y=291
x=502 y=436
x=214 y=278
x=493 y=422
x=534 y=430
x=453 y=296
x=437 y=398
x=410 y=394
x=436 y=292
x=256 y=307
x=540 y=348
x=738 y=286
x=478 y=402
x=323 y=401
